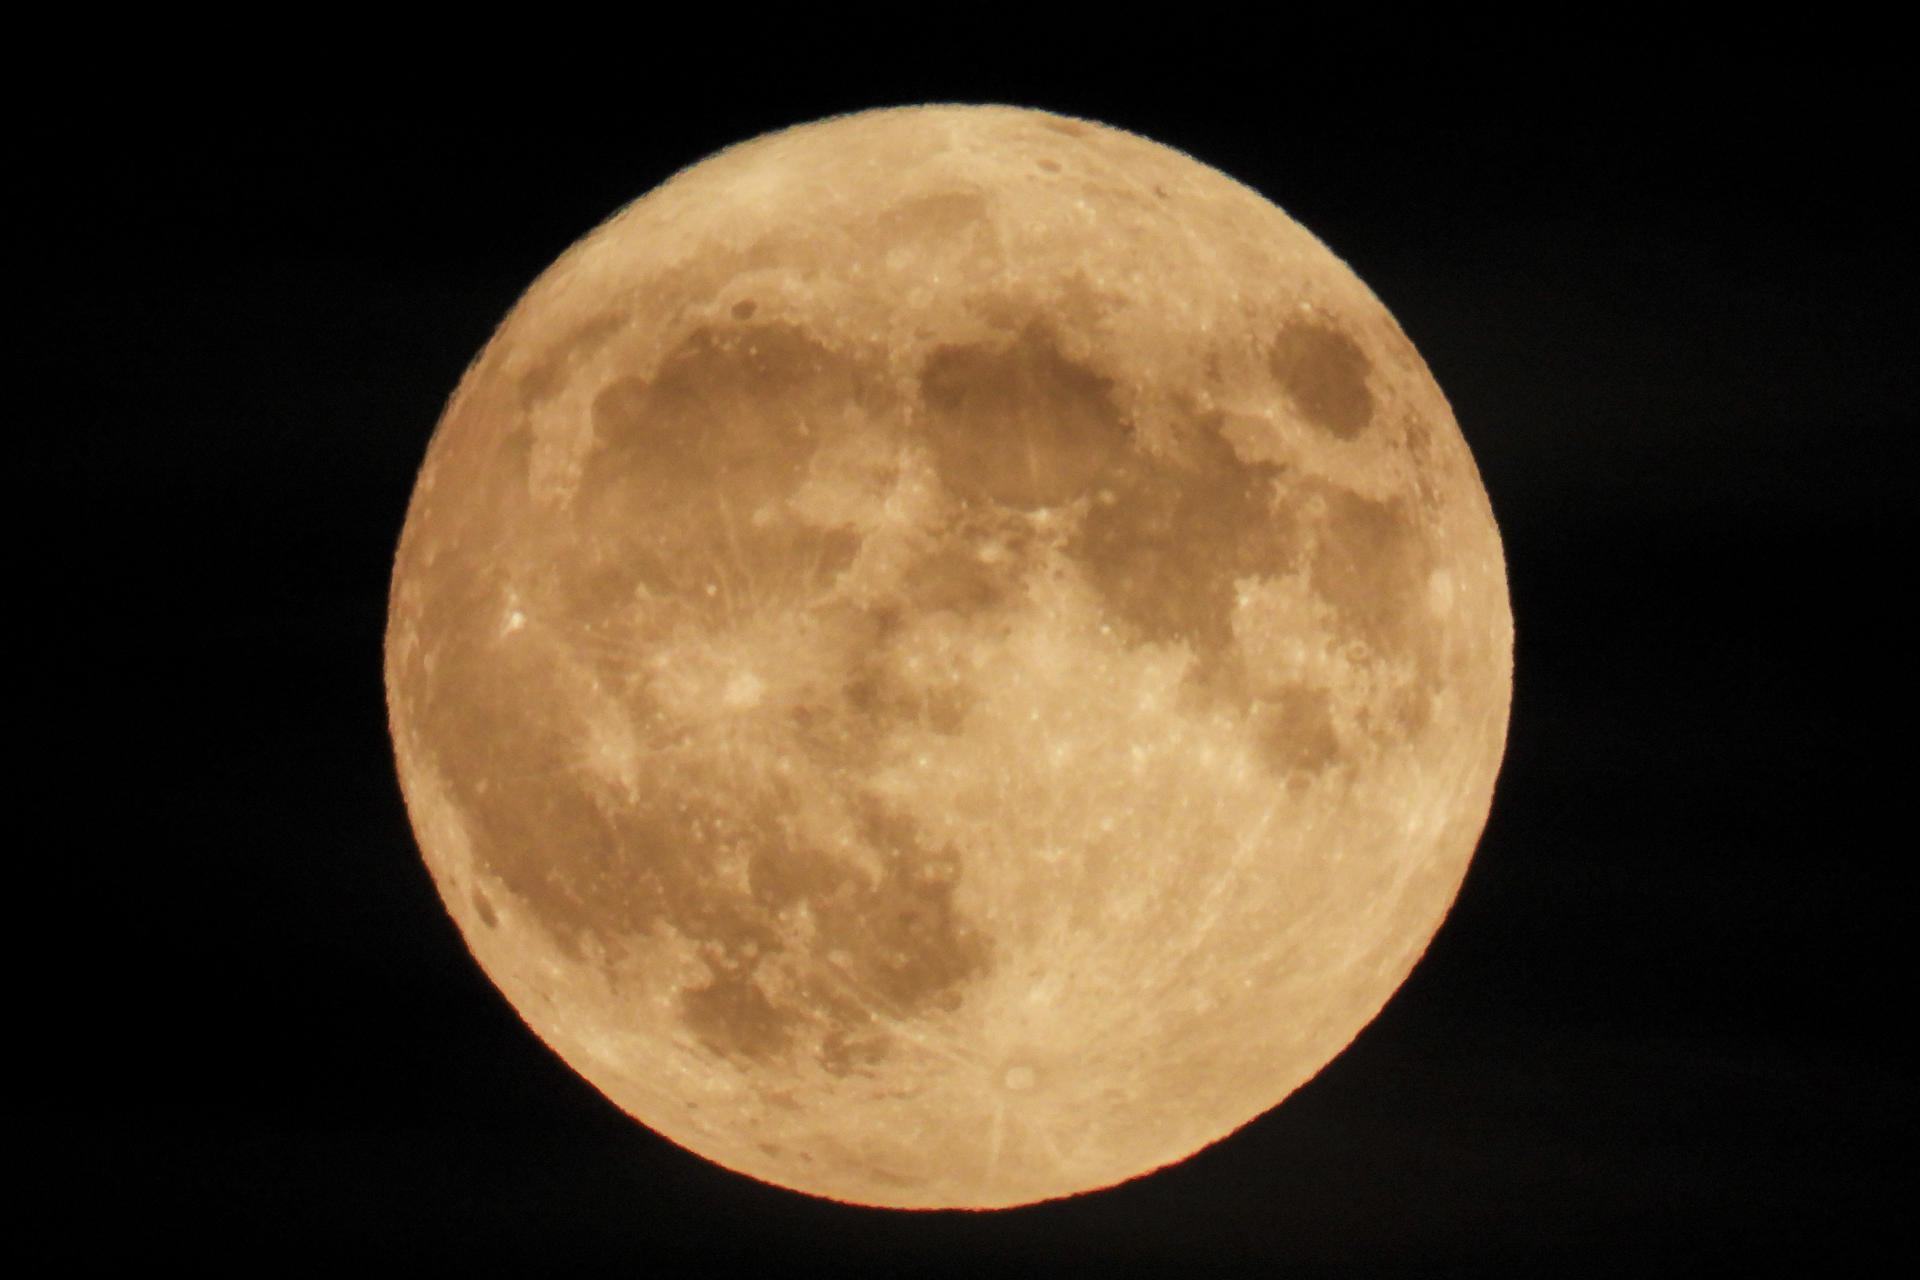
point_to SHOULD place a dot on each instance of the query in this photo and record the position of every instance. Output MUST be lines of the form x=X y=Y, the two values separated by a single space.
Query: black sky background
x=1669 y=295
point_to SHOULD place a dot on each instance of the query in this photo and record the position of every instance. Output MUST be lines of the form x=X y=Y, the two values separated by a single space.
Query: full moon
x=948 y=657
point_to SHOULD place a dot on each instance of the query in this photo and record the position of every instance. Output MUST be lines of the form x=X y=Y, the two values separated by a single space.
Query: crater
x=1324 y=372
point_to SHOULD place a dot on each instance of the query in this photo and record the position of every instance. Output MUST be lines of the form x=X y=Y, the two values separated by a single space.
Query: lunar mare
x=948 y=657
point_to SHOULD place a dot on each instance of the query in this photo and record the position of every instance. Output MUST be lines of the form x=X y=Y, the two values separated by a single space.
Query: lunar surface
x=948 y=657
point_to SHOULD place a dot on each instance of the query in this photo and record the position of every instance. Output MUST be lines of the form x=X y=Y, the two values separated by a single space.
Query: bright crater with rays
x=948 y=657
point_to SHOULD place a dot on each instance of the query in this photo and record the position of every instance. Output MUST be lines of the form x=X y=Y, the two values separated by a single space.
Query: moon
x=948 y=657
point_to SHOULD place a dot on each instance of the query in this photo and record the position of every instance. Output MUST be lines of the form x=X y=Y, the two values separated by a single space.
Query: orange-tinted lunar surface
x=948 y=657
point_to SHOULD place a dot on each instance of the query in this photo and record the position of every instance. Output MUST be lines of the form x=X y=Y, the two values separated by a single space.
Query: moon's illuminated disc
x=948 y=657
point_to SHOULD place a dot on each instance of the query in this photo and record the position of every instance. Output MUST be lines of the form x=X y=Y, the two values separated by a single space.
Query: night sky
x=1670 y=298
